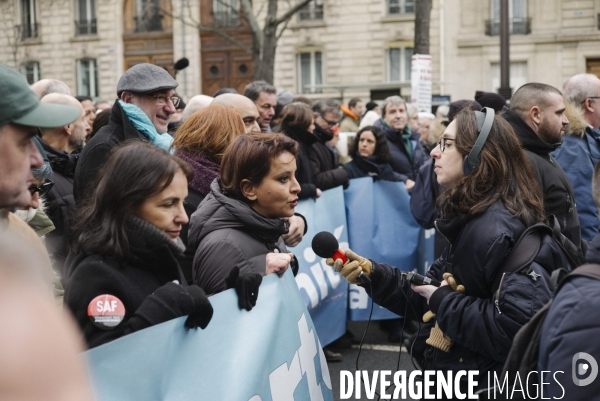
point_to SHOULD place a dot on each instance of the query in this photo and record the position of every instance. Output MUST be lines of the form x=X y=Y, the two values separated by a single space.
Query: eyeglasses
x=590 y=97
x=442 y=143
x=42 y=189
x=162 y=100
x=331 y=123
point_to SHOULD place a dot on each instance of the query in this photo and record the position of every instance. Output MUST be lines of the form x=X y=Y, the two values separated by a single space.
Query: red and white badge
x=106 y=311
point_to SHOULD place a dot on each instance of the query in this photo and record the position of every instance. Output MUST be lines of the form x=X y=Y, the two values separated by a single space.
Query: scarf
x=205 y=170
x=405 y=134
x=142 y=123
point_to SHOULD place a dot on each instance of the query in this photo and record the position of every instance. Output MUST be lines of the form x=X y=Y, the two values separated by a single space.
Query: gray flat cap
x=145 y=78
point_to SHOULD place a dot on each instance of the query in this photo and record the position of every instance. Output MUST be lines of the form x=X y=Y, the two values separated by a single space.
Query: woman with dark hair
x=123 y=273
x=371 y=156
x=483 y=211
x=238 y=227
x=297 y=123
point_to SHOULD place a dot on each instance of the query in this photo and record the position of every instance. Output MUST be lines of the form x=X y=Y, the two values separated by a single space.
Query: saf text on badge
x=106 y=311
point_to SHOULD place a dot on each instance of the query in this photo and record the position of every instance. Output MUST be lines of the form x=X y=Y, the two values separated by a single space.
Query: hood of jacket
x=62 y=163
x=300 y=135
x=577 y=123
x=529 y=139
x=218 y=211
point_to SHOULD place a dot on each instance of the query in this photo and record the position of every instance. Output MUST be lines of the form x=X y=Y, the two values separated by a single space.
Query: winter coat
x=326 y=172
x=303 y=167
x=369 y=167
x=579 y=153
x=97 y=151
x=481 y=330
x=60 y=204
x=150 y=263
x=401 y=162
x=559 y=199
x=571 y=327
x=228 y=233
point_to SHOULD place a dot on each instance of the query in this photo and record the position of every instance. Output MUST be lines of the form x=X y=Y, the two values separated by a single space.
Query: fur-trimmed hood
x=577 y=123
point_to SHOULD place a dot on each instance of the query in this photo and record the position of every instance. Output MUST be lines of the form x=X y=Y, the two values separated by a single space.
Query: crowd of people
x=159 y=204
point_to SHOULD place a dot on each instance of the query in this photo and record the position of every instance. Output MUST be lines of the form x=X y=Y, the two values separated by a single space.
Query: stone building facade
x=334 y=48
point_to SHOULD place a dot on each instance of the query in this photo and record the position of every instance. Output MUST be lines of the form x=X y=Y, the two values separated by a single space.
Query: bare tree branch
x=251 y=18
x=291 y=12
x=282 y=30
x=205 y=28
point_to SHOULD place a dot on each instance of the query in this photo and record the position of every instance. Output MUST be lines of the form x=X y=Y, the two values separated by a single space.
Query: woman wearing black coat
x=297 y=123
x=371 y=156
x=483 y=213
x=123 y=270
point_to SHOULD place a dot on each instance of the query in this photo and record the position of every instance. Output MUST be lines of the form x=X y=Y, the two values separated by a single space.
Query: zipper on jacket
x=497 y=297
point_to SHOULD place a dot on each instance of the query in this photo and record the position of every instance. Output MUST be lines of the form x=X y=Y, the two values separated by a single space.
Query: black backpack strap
x=523 y=253
x=589 y=270
x=574 y=255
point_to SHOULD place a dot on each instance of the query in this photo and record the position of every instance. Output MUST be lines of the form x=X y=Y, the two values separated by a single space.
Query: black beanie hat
x=489 y=99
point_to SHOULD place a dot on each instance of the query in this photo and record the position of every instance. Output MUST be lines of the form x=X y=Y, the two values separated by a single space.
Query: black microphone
x=326 y=246
x=418 y=279
x=181 y=64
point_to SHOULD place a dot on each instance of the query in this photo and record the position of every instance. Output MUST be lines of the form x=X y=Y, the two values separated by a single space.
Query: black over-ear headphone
x=484 y=125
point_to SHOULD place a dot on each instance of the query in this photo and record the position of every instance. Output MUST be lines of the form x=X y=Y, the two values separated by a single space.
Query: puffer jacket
x=481 y=323
x=97 y=151
x=401 y=162
x=579 y=153
x=570 y=327
x=559 y=199
x=228 y=233
x=60 y=204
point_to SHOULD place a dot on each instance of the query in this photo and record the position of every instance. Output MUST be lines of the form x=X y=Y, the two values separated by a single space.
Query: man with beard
x=407 y=152
x=537 y=114
x=62 y=146
x=327 y=173
x=146 y=103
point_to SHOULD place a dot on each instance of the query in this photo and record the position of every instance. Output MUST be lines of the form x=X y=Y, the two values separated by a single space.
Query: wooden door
x=592 y=66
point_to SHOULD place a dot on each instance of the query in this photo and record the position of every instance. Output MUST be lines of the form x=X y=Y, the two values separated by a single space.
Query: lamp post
x=505 y=90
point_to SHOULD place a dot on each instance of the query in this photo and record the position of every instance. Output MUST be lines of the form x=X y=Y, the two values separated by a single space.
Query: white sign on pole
x=421 y=81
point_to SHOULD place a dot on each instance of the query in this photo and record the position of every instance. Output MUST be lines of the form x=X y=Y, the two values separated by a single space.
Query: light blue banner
x=271 y=353
x=324 y=291
x=382 y=228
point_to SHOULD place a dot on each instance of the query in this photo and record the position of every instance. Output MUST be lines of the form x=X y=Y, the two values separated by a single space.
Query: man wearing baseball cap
x=21 y=114
x=146 y=102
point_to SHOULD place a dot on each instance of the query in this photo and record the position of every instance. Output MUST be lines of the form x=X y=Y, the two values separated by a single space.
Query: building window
x=310 y=67
x=400 y=6
x=518 y=75
x=227 y=12
x=313 y=11
x=86 y=24
x=31 y=71
x=87 y=78
x=29 y=27
x=518 y=23
x=148 y=16
x=399 y=63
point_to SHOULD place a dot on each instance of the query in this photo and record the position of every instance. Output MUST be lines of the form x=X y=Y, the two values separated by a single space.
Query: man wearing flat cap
x=146 y=101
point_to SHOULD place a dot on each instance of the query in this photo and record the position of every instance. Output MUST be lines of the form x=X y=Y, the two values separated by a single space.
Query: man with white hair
x=425 y=120
x=196 y=103
x=580 y=149
x=44 y=87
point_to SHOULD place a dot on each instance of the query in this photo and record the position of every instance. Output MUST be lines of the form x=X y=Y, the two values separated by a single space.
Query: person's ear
x=535 y=114
x=68 y=129
x=248 y=190
x=315 y=116
x=127 y=97
x=588 y=105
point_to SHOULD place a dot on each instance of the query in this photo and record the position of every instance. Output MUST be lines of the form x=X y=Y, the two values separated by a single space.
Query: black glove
x=203 y=309
x=246 y=286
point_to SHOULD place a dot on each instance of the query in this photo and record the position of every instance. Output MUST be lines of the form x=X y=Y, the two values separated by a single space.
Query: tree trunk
x=422 y=18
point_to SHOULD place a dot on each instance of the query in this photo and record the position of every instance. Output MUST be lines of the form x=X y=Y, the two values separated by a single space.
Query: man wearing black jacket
x=537 y=115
